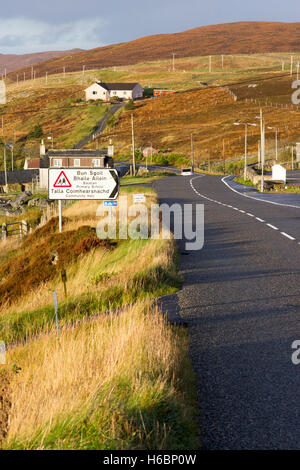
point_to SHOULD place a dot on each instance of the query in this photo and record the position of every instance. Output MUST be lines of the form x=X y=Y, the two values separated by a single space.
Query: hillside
x=12 y=62
x=229 y=38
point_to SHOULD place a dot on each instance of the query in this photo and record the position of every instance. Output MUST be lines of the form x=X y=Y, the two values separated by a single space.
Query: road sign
x=83 y=184
x=110 y=203
x=139 y=198
x=278 y=173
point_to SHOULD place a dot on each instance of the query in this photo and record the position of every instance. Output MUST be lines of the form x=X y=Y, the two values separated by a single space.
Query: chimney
x=42 y=149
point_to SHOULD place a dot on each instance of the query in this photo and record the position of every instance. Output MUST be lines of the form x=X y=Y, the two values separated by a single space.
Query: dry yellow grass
x=79 y=373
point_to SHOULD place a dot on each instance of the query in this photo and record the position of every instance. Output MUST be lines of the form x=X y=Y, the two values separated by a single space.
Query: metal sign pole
x=59 y=216
x=56 y=310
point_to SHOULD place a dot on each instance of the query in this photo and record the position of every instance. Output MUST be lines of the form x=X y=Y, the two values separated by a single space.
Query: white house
x=105 y=91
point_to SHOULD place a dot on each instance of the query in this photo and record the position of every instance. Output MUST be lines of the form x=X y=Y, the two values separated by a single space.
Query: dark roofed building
x=74 y=158
x=71 y=158
x=105 y=91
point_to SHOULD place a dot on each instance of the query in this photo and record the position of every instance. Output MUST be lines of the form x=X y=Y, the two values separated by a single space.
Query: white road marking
x=240 y=210
x=287 y=236
x=256 y=198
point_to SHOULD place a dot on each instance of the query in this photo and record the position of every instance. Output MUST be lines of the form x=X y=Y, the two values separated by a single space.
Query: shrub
x=36 y=132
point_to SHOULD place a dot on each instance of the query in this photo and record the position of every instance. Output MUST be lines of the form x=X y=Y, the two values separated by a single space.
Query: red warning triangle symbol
x=62 y=181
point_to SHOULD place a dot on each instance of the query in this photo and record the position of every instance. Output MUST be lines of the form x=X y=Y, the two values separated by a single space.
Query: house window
x=76 y=162
x=94 y=93
x=96 y=162
x=57 y=162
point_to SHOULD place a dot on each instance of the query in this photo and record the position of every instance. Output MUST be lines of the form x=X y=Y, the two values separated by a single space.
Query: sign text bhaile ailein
x=83 y=184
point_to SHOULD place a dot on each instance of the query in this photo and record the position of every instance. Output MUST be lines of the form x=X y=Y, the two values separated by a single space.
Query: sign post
x=59 y=216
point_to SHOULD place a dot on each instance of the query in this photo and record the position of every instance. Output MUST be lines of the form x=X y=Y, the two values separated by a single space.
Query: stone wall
x=18 y=176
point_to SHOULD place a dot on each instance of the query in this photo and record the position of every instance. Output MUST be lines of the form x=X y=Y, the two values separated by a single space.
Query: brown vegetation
x=209 y=114
x=36 y=262
x=229 y=38
x=12 y=62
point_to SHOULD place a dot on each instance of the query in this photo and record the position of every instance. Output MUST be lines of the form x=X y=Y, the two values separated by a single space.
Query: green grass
x=90 y=117
x=246 y=182
x=145 y=178
x=293 y=189
x=151 y=283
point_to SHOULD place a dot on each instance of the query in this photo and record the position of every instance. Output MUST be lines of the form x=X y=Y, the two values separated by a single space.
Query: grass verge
x=121 y=382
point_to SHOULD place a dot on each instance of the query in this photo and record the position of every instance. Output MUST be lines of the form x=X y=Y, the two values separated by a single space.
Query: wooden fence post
x=25 y=228
x=4 y=231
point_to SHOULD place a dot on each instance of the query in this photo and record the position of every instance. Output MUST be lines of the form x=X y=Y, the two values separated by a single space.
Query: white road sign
x=83 y=184
x=139 y=198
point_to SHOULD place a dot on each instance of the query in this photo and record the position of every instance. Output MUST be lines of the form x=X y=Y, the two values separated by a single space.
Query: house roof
x=76 y=153
x=118 y=86
x=34 y=163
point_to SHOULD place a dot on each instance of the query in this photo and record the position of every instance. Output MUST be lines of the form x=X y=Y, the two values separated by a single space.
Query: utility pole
x=262 y=131
x=12 y=157
x=173 y=62
x=210 y=64
x=5 y=168
x=133 y=146
x=282 y=65
x=245 y=165
x=192 y=152
x=222 y=61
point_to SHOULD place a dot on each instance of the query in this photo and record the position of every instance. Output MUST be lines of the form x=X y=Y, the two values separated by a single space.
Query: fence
x=15 y=229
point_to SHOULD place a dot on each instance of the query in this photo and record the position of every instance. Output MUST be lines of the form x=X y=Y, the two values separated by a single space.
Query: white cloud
x=24 y=35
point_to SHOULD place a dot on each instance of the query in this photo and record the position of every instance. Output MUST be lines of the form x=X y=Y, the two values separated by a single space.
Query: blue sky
x=36 y=25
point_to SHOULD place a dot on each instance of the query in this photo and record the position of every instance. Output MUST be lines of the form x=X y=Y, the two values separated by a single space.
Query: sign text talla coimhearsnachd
x=83 y=184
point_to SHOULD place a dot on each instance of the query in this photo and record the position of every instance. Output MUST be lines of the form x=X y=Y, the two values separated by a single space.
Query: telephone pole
x=133 y=146
x=192 y=152
x=5 y=168
x=262 y=152
x=173 y=62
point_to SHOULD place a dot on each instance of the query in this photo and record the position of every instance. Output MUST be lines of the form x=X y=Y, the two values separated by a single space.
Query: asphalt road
x=241 y=301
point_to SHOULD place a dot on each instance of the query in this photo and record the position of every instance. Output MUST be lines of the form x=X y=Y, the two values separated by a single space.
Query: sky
x=37 y=25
